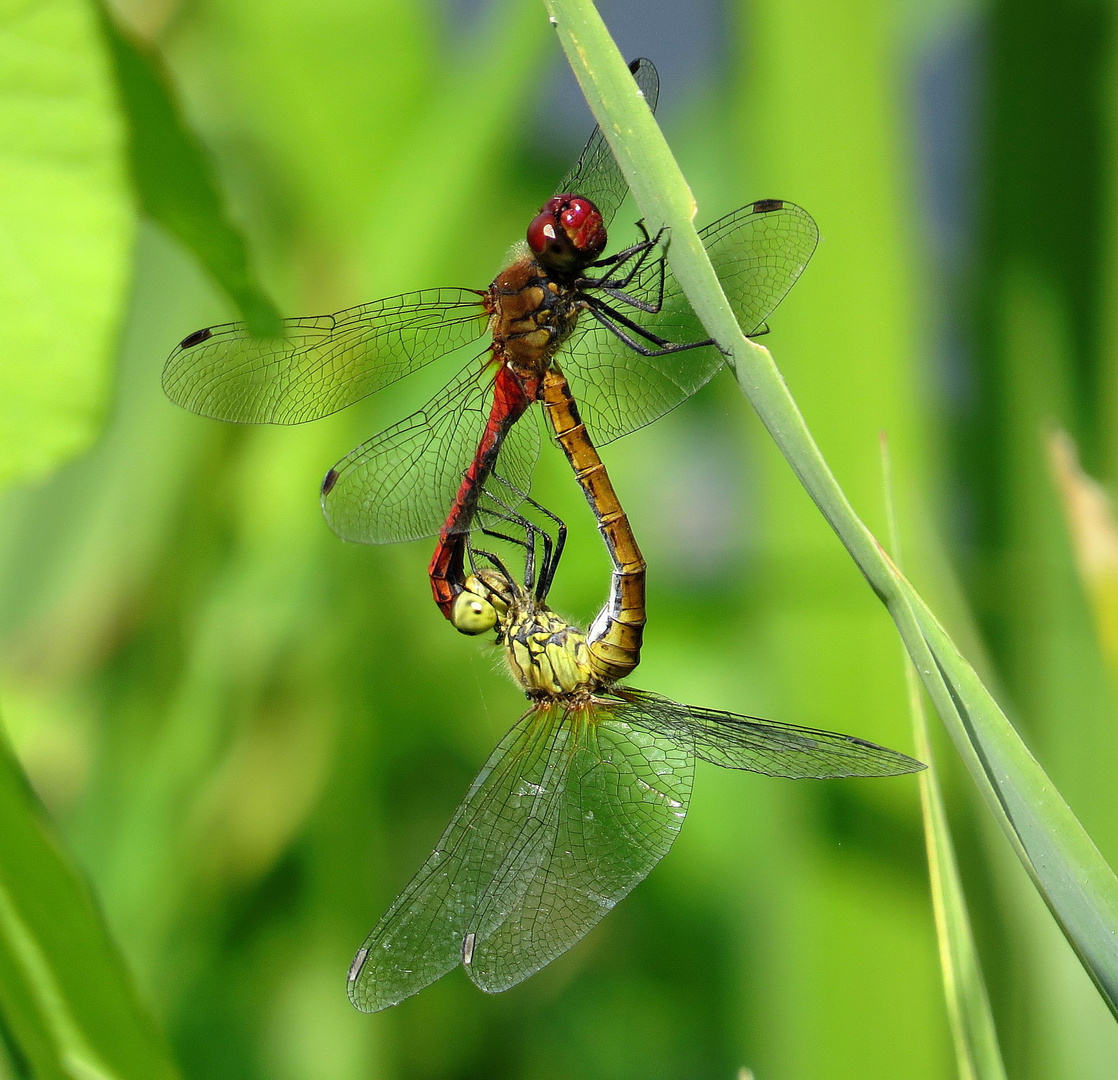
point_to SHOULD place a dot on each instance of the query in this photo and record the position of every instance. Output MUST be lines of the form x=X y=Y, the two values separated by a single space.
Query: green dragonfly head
x=485 y=601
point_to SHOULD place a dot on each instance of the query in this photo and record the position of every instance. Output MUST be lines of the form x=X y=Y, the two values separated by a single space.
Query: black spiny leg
x=618 y=324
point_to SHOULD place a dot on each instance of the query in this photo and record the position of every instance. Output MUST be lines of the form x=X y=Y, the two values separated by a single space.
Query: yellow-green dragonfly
x=574 y=807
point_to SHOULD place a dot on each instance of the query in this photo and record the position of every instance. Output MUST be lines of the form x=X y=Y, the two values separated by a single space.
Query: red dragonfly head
x=567 y=234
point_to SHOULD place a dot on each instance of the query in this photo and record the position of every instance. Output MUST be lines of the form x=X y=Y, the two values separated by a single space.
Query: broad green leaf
x=977 y=1053
x=66 y=227
x=175 y=180
x=1075 y=881
x=65 y=211
x=65 y=995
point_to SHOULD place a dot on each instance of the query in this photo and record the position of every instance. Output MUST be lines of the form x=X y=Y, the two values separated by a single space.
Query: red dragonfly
x=630 y=347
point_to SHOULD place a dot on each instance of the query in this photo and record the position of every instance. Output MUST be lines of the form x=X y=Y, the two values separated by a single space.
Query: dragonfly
x=617 y=328
x=616 y=635
x=575 y=805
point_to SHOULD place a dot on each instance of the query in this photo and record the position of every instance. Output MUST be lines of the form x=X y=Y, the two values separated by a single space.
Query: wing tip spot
x=196 y=338
x=328 y=481
x=358 y=964
x=468 y=949
x=767 y=206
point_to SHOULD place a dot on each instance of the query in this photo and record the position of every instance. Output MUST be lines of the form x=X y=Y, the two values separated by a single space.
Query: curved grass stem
x=1079 y=887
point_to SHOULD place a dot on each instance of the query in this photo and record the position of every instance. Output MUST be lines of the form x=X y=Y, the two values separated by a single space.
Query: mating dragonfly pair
x=588 y=790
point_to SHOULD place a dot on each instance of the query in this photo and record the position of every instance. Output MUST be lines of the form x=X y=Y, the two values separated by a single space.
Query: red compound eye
x=576 y=212
x=567 y=234
x=542 y=232
x=582 y=222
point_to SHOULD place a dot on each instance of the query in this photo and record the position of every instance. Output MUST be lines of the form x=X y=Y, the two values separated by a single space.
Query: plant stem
x=1074 y=879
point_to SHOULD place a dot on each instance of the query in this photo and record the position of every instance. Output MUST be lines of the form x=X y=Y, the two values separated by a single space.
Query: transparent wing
x=596 y=175
x=569 y=813
x=758 y=253
x=401 y=483
x=321 y=363
x=761 y=746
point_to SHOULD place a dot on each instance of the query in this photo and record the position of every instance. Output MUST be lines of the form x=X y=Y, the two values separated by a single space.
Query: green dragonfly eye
x=472 y=614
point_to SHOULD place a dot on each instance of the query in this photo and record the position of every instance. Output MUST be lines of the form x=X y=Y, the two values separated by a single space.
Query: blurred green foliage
x=250 y=734
x=174 y=180
x=67 y=222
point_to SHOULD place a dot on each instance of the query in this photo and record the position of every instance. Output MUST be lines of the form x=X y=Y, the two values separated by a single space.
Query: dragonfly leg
x=494 y=559
x=639 y=253
x=616 y=289
x=553 y=552
x=610 y=318
x=651 y=307
x=532 y=533
x=620 y=257
x=529 y=547
x=553 y=547
x=528 y=543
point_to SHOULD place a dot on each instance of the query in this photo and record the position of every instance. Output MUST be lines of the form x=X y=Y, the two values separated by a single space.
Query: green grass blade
x=968 y=1005
x=67 y=222
x=977 y=1053
x=65 y=995
x=1079 y=887
x=175 y=179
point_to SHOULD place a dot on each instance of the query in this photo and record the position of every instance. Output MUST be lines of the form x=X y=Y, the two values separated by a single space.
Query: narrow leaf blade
x=977 y=1052
x=176 y=181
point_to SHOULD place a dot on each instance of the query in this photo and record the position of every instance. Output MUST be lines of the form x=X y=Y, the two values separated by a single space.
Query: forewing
x=762 y=746
x=563 y=820
x=596 y=175
x=401 y=483
x=322 y=363
x=758 y=253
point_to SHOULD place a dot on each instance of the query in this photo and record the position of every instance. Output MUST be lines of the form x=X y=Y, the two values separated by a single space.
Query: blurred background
x=251 y=734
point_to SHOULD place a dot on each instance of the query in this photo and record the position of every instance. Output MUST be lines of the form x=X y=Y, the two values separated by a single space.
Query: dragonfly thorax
x=547 y=655
x=531 y=313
